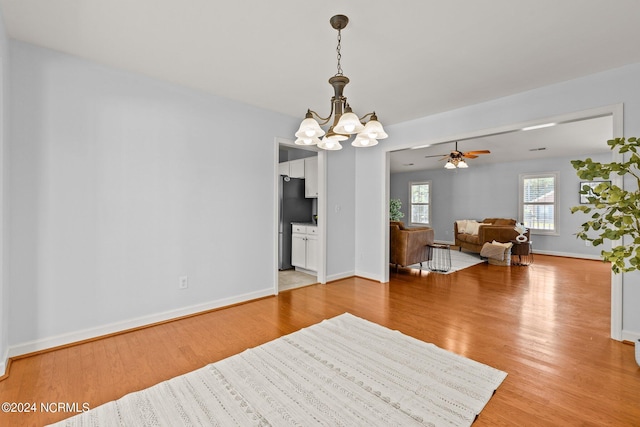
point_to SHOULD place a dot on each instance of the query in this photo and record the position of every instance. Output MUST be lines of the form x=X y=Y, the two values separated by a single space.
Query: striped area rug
x=459 y=261
x=342 y=371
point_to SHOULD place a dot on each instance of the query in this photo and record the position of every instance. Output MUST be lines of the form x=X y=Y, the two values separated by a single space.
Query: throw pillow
x=504 y=245
x=462 y=225
x=472 y=227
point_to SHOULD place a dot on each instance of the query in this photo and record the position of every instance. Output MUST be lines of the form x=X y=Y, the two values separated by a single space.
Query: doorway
x=297 y=213
x=615 y=115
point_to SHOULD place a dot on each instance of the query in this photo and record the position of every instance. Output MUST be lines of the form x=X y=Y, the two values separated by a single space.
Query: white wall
x=4 y=218
x=120 y=184
x=612 y=87
x=340 y=212
x=488 y=191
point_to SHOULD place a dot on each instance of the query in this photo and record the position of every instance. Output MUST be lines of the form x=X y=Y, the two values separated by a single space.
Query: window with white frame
x=538 y=202
x=420 y=202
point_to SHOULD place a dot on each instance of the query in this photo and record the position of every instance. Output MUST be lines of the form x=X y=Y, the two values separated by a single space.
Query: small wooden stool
x=521 y=253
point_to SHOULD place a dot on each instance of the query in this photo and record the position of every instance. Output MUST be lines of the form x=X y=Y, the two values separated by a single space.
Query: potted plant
x=395 y=210
x=615 y=212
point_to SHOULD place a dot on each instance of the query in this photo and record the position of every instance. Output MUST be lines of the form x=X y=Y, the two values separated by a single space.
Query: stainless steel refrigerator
x=293 y=208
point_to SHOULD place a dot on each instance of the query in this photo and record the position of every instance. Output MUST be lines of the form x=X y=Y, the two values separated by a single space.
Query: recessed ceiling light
x=546 y=125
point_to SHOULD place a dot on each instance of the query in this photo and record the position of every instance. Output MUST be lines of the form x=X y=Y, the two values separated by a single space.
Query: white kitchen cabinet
x=292 y=169
x=304 y=247
x=312 y=249
x=283 y=168
x=311 y=177
x=296 y=168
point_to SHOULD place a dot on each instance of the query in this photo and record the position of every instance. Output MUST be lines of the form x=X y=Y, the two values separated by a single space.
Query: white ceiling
x=406 y=59
x=573 y=139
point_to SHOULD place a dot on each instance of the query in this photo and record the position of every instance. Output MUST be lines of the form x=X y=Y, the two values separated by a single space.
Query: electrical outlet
x=587 y=243
x=183 y=282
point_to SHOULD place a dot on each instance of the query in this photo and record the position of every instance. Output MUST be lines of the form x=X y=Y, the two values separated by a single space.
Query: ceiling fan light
x=309 y=128
x=362 y=140
x=349 y=123
x=449 y=165
x=462 y=164
x=373 y=129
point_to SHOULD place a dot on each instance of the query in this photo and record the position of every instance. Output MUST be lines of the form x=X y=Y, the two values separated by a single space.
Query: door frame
x=322 y=210
x=617 y=113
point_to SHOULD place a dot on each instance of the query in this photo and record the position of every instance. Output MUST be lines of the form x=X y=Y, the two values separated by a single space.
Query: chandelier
x=345 y=122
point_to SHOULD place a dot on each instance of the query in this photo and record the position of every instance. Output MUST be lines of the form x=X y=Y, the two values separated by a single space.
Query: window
x=538 y=202
x=420 y=201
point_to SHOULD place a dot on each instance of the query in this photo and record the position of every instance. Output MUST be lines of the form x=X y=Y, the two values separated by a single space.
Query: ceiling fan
x=456 y=158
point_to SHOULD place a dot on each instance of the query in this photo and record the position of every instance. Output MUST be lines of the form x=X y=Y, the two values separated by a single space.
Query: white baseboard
x=368 y=275
x=340 y=276
x=567 y=254
x=544 y=252
x=85 y=334
x=3 y=363
x=632 y=336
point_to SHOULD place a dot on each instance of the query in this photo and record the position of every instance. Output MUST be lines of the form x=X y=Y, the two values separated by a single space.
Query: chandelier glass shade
x=344 y=122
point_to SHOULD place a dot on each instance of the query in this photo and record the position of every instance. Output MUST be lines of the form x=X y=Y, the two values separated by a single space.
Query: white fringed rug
x=343 y=371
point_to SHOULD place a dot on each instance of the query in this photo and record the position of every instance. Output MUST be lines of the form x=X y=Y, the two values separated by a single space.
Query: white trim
x=322 y=208
x=544 y=252
x=3 y=363
x=276 y=214
x=567 y=254
x=322 y=216
x=339 y=276
x=96 y=332
x=632 y=336
x=386 y=235
x=592 y=113
x=410 y=213
x=617 y=279
x=524 y=176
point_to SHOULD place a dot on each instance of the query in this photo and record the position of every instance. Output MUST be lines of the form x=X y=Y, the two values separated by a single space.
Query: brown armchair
x=408 y=245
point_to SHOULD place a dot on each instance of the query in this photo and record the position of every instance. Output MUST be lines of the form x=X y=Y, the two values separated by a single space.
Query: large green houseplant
x=395 y=210
x=615 y=212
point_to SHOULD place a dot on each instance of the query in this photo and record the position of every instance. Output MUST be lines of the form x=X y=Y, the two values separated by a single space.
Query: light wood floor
x=546 y=325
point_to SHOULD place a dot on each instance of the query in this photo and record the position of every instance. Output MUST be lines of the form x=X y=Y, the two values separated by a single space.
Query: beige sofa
x=487 y=230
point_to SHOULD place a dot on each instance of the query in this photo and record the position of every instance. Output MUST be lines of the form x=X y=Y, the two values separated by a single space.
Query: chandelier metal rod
x=322 y=120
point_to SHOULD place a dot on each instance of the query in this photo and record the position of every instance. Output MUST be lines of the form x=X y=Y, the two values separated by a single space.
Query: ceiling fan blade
x=470 y=156
x=479 y=152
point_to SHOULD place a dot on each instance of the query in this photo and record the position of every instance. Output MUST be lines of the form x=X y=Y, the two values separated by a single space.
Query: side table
x=439 y=257
x=521 y=253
